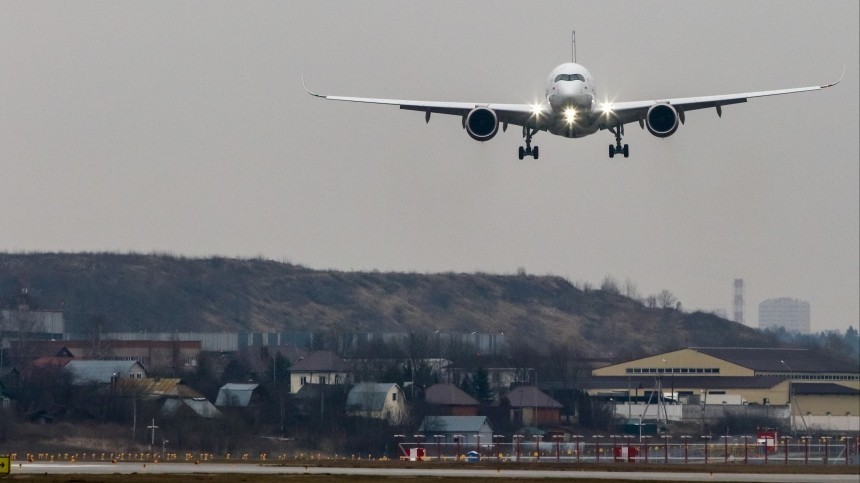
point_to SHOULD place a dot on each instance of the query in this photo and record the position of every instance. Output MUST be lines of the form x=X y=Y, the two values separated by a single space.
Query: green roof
x=454 y=424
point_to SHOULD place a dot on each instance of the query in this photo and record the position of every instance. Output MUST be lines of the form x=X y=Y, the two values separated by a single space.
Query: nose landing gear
x=528 y=150
x=618 y=149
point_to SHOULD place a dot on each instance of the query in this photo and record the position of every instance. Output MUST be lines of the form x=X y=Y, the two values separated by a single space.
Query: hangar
x=810 y=385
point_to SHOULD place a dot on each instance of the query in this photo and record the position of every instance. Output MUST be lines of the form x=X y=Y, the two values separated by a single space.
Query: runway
x=214 y=468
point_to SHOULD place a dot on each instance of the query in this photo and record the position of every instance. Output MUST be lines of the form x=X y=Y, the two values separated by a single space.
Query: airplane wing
x=636 y=110
x=516 y=114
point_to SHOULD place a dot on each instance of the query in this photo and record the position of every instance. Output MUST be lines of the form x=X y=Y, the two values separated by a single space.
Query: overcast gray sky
x=183 y=127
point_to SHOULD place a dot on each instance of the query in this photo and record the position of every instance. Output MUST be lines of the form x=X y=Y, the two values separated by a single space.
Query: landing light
x=606 y=108
x=570 y=115
x=537 y=109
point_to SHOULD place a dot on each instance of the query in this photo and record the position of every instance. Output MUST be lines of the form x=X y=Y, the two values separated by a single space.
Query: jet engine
x=662 y=120
x=481 y=123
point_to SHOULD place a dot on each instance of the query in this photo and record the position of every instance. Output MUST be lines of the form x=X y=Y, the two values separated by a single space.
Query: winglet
x=840 y=79
x=309 y=91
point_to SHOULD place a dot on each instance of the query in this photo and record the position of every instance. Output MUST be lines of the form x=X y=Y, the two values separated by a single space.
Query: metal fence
x=732 y=449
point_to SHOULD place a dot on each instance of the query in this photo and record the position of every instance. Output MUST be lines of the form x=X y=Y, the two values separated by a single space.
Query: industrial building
x=809 y=385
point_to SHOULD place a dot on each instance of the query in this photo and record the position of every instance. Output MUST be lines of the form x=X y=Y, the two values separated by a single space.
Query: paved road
x=188 y=468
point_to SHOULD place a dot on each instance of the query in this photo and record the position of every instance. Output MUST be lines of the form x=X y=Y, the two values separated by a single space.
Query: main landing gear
x=528 y=150
x=618 y=149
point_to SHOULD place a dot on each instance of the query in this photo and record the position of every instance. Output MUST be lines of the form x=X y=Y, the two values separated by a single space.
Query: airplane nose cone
x=570 y=94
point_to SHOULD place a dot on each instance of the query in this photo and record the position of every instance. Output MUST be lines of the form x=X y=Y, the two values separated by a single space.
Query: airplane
x=571 y=109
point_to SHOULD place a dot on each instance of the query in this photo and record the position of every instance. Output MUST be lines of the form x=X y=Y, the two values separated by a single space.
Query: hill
x=132 y=292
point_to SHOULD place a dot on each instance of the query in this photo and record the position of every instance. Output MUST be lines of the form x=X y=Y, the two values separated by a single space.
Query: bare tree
x=524 y=358
x=417 y=347
x=651 y=301
x=563 y=364
x=630 y=290
x=666 y=299
x=610 y=285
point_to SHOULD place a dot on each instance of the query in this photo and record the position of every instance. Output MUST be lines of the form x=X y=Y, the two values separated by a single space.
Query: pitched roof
x=232 y=394
x=448 y=395
x=530 y=397
x=159 y=387
x=777 y=359
x=50 y=361
x=454 y=424
x=200 y=406
x=313 y=391
x=320 y=361
x=368 y=396
x=100 y=371
x=823 y=388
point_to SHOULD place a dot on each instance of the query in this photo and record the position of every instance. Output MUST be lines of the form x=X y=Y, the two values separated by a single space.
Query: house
x=501 y=372
x=240 y=395
x=184 y=407
x=377 y=400
x=450 y=400
x=21 y=352
x=155 y=355
x=44 y=365
x=174 y=398
x=472 y=429
x=531 y=406
x=322 y=367
x=104 y=372
x=259 y=359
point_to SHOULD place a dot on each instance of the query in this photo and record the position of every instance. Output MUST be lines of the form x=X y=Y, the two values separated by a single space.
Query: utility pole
x=134 y=416
x=794 y=407
x=153 y=427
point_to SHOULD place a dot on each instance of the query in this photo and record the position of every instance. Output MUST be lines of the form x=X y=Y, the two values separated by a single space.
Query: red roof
x=448 y=395
x=531 y=397
x=50 y=361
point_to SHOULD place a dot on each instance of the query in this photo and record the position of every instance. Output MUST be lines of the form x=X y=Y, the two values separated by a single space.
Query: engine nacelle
x=662 y=120
x=482 y=124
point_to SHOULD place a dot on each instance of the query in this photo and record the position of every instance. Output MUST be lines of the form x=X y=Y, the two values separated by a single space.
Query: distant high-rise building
x=786 y=312
x=739 y=301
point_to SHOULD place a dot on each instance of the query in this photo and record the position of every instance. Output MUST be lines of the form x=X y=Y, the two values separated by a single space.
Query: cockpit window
x=569 y=77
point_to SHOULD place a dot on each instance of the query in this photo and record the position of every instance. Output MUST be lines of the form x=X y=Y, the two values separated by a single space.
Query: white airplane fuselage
x=571 y=96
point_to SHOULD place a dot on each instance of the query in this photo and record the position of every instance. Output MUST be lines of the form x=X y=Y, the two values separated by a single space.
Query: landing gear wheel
x=618 y=148
x=528 y=150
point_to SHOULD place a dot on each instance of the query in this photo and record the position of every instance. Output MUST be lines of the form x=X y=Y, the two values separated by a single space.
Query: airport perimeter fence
x=619 y=449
